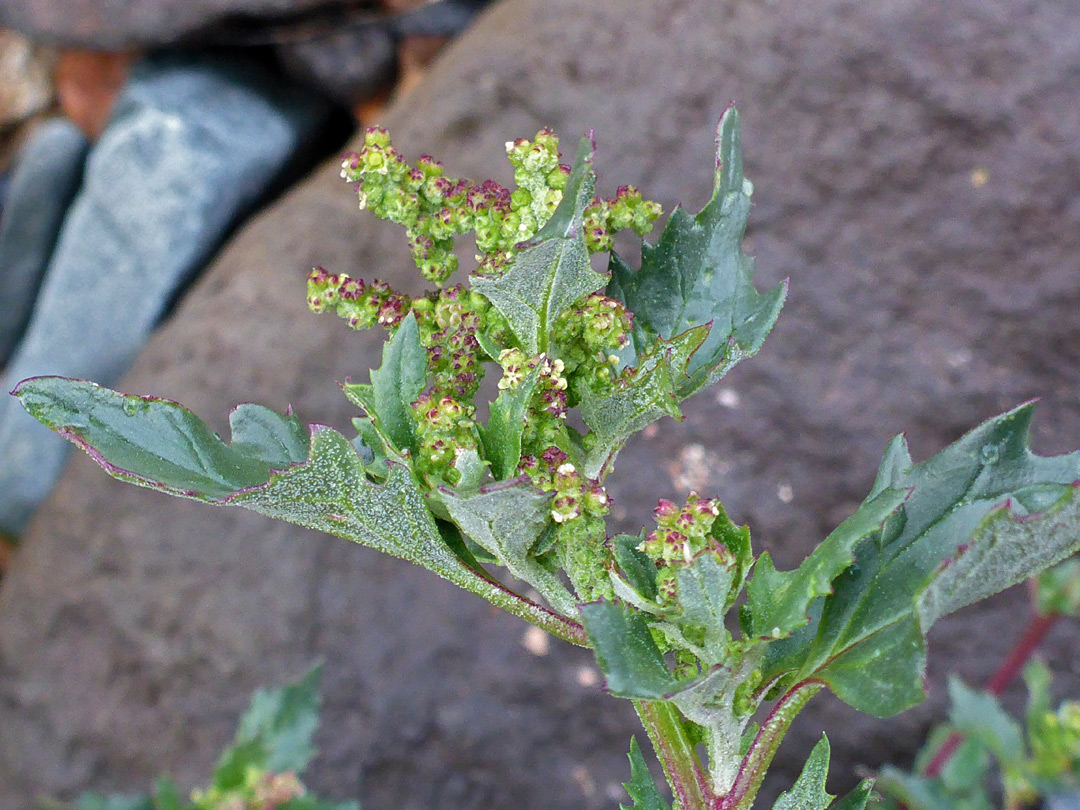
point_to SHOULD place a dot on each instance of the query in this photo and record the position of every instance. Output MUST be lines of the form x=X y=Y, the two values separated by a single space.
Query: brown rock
x=25 y=82
x=915 y=166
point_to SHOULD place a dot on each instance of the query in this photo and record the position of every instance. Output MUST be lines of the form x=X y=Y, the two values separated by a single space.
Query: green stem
x=763 y=748
x=676 y=753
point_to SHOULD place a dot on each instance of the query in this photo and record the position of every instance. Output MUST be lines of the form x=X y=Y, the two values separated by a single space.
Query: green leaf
x=283 y=720
x=395 y=385
x=161 y=445
x=979 y=716
x=778 y=603
x=552 y=270
x=641 y=788
x=808 y=792
x=640 y=571
x=507 y=520
x=501 y=436
x=626 y=653
x=704 y=594
x=1058 y=589
x=983 y=514
x=94 y=801
x=697 y=274
x=312 y=803
x=638 y=401
x=167 y=796
x=857 y=799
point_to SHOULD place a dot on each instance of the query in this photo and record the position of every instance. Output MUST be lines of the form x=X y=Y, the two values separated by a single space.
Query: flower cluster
x=434 y=209
x=461 y=330
x=421 y=198
x=589 y=331
x=361 y=305
x=627 y=209
x=446 y=430
x=682 y=533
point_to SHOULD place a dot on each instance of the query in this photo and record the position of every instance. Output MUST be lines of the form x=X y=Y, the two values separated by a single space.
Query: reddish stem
x=1022 y=652
x=1006 y=673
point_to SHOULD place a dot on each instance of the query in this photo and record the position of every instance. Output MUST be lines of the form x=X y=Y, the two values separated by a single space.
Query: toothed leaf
x=697 y=274
x=983 y=514
x=552 y=269
x=394 y=386
x=159 y=444
x=638 y=401
x=507 y=520
x=808 y=792
x=626 y=652
x=641 y=788
x=779 y=602
x=274 y=734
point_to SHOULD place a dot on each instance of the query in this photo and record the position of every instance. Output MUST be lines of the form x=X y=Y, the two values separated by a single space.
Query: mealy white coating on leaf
x=1005 y=550
x=808 y=792
x=507 y=521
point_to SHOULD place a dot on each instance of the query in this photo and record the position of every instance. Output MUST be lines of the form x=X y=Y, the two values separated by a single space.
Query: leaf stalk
x=676 y=753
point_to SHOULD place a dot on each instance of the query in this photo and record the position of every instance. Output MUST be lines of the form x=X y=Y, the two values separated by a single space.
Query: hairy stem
x=682 y=767
x=1036 y=631
x=763 y=748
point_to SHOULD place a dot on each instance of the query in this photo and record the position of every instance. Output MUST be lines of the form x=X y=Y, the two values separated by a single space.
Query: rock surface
x=114 y=24
x=916 y=167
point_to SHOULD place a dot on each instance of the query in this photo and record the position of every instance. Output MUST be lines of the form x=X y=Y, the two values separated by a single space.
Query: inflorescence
x=462 y=332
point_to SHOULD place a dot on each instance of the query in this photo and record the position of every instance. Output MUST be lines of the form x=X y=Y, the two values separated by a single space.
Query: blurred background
x=917 y=177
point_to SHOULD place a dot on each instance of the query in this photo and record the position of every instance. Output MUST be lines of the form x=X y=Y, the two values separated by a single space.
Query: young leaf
x=979 y=716
x=626 y=653
x=501 y=436
x=552 y=269
x=639 y=401
x=983 y=514
x=704 y=591
x=395 y=386
x=506 y=520
x=640 y=571
x=697 y=274
x=161 y=445
x=283 y=721
x=857 y=799
x=641 y=788
x=808 y=792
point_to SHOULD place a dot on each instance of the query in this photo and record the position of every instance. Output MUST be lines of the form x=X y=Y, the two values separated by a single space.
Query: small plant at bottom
x=428 y=480
x=259 y=771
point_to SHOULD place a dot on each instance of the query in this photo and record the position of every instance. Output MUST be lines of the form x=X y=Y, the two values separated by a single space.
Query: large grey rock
x=915 y=172
x=115 y=24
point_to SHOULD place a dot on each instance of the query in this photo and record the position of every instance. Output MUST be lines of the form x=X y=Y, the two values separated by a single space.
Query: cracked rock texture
x=916 y=167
